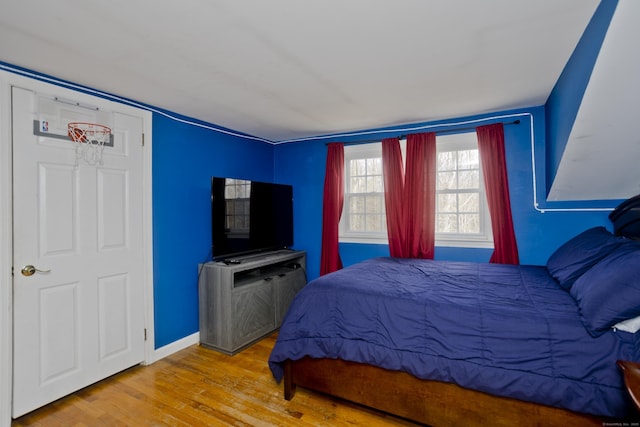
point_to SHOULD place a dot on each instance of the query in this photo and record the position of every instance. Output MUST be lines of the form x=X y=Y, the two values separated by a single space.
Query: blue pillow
x=579 y=254
x=610 y=291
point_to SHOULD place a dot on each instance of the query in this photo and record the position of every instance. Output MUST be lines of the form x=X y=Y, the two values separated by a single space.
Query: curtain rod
x=438 y=132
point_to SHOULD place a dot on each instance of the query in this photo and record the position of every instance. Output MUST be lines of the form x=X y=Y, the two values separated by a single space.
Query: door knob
x=30 y=270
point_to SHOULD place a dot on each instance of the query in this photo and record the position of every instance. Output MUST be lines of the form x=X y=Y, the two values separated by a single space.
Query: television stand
x=242 y=302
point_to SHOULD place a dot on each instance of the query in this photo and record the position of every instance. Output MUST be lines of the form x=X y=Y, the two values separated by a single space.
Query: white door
x=81 y=317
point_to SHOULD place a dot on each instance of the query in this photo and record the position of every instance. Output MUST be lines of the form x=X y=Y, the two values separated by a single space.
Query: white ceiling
x=284 y=69
x=287 y=69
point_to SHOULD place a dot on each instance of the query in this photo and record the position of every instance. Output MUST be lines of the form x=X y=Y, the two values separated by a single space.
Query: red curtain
x=420 y=196
x=410 y=197
x=494 y=169
x=333 y=200
x=393 y=172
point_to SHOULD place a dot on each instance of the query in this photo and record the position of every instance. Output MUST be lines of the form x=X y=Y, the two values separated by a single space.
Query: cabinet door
x=287 y=286
x=253 y=312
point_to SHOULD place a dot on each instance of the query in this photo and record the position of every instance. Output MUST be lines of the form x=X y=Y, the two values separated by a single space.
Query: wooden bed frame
x=427 y=402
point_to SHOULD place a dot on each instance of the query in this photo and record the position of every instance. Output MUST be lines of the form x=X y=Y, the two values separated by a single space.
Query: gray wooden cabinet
x=242 y=303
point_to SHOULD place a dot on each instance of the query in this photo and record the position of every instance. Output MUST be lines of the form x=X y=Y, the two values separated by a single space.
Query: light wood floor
x=201 y=387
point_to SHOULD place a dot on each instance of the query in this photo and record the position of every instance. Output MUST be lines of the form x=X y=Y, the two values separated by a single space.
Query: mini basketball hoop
x=90 y=139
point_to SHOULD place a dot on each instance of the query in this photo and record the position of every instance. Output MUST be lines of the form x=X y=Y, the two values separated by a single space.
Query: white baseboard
x=176 y=346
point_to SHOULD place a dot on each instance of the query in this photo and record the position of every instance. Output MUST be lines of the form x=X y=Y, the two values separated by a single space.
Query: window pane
x=469 y=202
x=374 y=166
x=236 y=208
x=356 y=204
x=358 y=167
x=447 y=202
x=375 y=223
x=357 y=222
x=446 y=223
x=447 y=181
x=468 y=159
x=446 y=160
x=373 y=183
x=468 y=179
x=358 y=185
x=374 y=204
x=241 y=207
x=469 y=223
x=378 y=184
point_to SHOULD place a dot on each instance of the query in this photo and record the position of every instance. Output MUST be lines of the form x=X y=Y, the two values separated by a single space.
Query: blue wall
x=184 y=159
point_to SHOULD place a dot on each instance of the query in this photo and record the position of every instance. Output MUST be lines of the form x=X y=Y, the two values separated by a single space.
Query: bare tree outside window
x=462 y=218
x=365 y=196
x=458 y=192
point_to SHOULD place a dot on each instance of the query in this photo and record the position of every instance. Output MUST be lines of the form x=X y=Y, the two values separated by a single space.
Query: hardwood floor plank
x=199 y=386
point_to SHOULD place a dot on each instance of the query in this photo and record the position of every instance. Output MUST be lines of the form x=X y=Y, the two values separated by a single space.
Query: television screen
x=249 y=216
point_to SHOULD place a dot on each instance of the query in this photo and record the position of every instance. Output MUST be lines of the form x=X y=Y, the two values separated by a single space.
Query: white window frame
x=354 y=152
x=444 y=143
x=483 y=239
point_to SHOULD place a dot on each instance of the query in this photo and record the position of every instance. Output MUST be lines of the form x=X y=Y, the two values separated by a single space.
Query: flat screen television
x=249 y=216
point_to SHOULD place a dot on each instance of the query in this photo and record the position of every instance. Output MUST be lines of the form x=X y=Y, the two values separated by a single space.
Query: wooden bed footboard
x=427 y=402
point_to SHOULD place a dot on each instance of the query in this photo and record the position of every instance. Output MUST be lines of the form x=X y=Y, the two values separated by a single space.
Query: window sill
x=449 y=243
x=364 y=240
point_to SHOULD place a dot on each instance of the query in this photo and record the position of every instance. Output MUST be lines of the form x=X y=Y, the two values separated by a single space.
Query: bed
x=446 y=343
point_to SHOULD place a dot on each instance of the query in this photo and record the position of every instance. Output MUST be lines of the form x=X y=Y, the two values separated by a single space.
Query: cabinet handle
x=268 y=279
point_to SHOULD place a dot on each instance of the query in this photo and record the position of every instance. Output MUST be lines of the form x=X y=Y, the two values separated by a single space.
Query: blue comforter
x=503 y=329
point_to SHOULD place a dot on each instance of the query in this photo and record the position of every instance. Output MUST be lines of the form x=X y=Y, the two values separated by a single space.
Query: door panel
x=58 y=194
x=113 y=310
x=113 y=209
x=58 y=311
x=80 y=318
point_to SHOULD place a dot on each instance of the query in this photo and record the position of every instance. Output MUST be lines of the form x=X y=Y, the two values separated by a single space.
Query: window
x=462 y=217
x=363 y=215
x=237 y=194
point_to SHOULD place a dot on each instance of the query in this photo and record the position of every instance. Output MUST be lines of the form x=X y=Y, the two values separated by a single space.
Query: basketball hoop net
x=90 y=139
